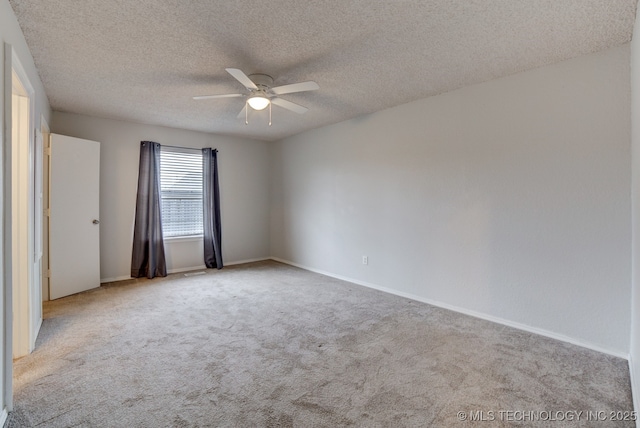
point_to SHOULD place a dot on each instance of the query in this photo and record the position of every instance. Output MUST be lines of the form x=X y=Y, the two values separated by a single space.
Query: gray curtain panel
x=148 y=246
x=211 y=200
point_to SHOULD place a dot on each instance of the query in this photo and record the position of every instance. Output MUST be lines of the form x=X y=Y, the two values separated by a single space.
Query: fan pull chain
x=246 y=113
x=269 y=114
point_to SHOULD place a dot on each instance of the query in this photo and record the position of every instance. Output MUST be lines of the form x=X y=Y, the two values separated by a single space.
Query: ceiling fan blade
x=208 y=97
x=242 y=78
x=297 y=108
x=243 y=112
x=295 y=87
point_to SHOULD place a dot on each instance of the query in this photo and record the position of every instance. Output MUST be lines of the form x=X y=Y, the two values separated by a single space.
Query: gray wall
x=508 y=199
x=634 y=359
x=244 y=187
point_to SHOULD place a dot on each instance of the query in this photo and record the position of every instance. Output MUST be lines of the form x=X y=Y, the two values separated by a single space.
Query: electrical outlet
x=365 y=260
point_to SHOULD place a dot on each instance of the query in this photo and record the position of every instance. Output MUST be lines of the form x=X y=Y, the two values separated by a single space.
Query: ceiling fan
x=263 y=94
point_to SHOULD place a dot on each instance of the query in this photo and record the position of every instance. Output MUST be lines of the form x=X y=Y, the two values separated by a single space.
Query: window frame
x=185 y=150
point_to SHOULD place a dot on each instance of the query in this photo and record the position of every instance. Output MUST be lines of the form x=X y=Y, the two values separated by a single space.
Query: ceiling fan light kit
x=262 y=94
x=258 y=101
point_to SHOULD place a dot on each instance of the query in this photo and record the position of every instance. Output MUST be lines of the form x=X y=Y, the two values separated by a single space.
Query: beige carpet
x=268 y=345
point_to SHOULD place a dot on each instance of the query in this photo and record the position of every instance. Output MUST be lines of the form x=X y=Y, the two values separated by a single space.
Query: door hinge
x=47 y=212
x=48 y=273
x=47 y=151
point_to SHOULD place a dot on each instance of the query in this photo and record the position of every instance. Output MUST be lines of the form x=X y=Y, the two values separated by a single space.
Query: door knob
x=95 y=221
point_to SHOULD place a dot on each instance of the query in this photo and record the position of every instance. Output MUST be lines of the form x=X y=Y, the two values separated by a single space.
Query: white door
x=74 y=231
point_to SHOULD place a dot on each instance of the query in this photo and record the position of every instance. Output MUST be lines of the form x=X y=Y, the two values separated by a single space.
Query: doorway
x=21 y=292
x=26 y=214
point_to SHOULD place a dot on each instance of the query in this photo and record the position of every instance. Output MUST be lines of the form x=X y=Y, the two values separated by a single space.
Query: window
x=181 y=191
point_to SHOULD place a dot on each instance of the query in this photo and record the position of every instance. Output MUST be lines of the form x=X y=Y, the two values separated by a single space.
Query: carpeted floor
x=269 y=345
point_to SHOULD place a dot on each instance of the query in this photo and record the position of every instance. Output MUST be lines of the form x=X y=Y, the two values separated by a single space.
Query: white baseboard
x=240 y=262
x=508 y=323
x=114 y=279
x=178 y=270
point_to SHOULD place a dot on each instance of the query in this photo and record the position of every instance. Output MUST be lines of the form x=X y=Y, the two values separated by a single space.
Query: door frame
x=31 y=310
x=7 y=246
x=27 y=300
x=46 y=167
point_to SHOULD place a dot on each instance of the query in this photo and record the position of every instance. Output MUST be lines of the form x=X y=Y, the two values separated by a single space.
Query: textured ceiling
x=143 y=60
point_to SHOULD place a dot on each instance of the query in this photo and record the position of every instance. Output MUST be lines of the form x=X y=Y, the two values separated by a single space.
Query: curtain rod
x=185 y=148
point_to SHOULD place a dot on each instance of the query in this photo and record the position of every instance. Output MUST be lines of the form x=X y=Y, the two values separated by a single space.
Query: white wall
x=634 y=360
x=509 y=199
x=10 y=33
x=244 y=185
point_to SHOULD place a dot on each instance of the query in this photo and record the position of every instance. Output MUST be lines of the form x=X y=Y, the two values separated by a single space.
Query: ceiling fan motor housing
x=262 y=81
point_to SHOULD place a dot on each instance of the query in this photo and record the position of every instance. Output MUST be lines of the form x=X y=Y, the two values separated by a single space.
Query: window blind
x=181 y=191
